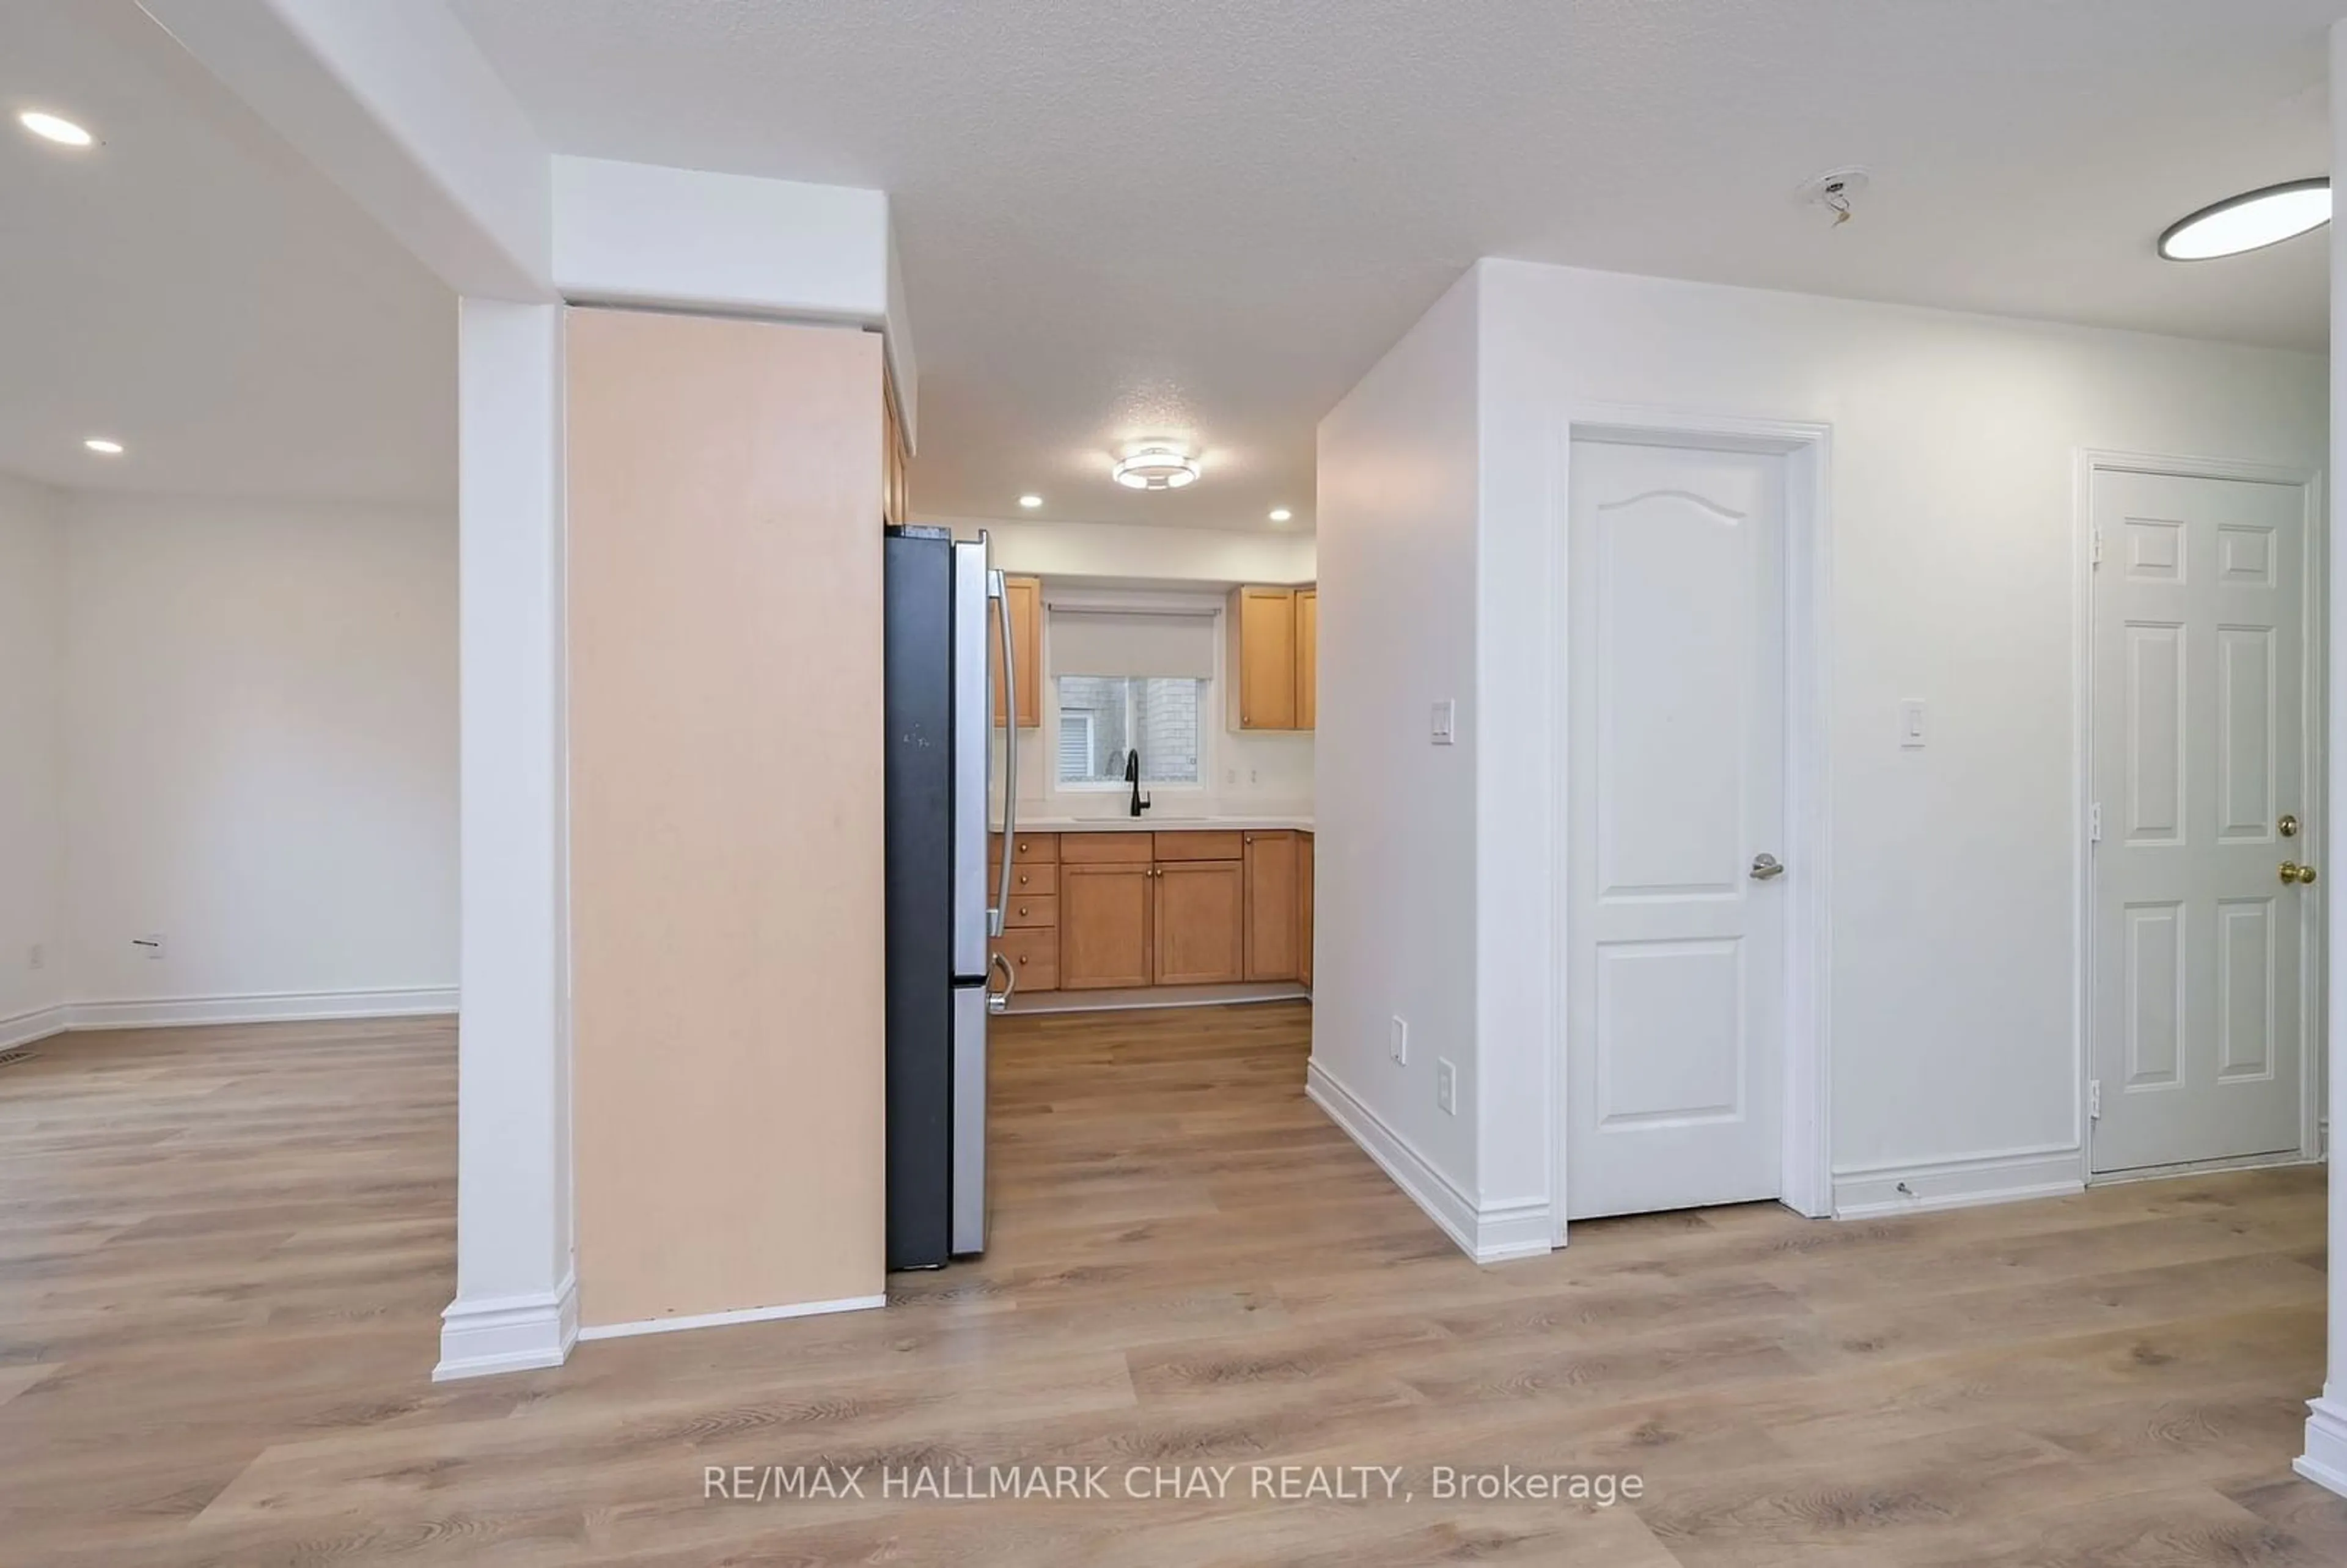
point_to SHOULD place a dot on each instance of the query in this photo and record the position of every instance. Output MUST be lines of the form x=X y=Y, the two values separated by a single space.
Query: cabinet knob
x=1022 y=908
x=1023 y=960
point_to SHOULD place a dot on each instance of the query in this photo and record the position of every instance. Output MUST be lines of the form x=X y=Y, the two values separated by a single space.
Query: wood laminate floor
x=223 y=1253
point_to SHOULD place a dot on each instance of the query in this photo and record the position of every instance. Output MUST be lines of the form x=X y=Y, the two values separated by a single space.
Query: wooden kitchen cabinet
x=1260 y=668
x=1022 y=597
x=1304 y=852
x=1030 y=942
x=1107 y=921
x=1307 y=657
x=1271 y=864
x=1201 y=922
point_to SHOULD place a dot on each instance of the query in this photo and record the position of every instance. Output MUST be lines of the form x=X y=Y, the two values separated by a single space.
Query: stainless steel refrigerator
x=942 y=908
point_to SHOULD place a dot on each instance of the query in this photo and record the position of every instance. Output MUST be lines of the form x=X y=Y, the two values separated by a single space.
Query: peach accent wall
x=725 y=815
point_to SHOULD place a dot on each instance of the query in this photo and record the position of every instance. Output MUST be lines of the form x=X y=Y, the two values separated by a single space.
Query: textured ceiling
x=1118 y=219
x=193 y=287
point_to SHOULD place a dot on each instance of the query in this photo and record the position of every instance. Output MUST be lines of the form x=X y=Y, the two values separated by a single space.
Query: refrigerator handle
x=1009 y=754
x=999 y=1001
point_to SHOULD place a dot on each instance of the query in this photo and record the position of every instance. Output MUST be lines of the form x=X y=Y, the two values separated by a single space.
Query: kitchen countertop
x=1149 y=822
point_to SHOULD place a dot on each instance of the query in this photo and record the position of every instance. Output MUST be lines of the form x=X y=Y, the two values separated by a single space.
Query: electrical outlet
x=1446 y=1087
x=150 y=945
x=37 y=957
x=1401 y=1043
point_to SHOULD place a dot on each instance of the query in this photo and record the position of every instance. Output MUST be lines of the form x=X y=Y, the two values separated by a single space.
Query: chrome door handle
x=997 y=592
x=998 y=1002
x=1766 y=869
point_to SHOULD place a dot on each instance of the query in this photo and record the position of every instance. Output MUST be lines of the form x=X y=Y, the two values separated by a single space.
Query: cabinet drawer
x=1034 y=881
x=1198 y=846
x=1032 y=910
x=1034 y=957
x=1106 y=849
x=1034 y=848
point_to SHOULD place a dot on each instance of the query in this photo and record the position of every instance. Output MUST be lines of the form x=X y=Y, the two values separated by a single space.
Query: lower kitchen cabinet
x=1272 y=929
x=1304 y=852
x=1107 y=925
x=1134 y=909
x=1201 y=920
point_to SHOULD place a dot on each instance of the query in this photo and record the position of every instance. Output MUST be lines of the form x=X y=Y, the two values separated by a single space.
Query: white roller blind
x=1132 y=643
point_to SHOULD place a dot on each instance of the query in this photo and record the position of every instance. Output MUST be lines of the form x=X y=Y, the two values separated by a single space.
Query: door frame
x=2314 y=701
x=1806 y=1177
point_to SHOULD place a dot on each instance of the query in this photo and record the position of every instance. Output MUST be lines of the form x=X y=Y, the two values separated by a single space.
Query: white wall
x=1953 y=1006
x=1395 y=906
x=1955 y=954
x=32 y=800
x=260 y=748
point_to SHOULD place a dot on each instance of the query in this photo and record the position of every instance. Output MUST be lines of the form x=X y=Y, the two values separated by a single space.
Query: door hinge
x=2093 y=1100
x=2095 y=556
x=2094 y=822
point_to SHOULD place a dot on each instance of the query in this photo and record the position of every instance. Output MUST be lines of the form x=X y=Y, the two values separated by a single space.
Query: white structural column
x=2325 y=1458
x=516 y=1291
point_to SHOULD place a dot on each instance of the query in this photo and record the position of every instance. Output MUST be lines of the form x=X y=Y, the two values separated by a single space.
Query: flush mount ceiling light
x=52 y=127
x=1030 y=502
x=1280 y=514
x=2250 y=222
x=104 y=447
x=1156 y=468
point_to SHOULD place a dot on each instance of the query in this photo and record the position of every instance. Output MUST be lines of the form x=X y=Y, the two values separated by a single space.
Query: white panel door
x=1677 y=946
x=2198 y=757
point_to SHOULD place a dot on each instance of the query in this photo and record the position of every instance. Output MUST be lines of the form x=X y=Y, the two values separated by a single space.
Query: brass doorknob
x=2291 y=871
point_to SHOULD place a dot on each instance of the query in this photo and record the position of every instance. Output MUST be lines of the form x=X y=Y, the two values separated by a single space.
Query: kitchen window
x=1102 y=717
x=1125 y=680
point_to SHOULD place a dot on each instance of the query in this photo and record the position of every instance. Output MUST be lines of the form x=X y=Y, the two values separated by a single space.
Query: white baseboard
x=1490 y=1234
x=2005 y=1176
x=507 y=1332
x=721 y=1320
x=39 y=1024
x=264 y=1006
x=259 y=1007
x=2324 y=1462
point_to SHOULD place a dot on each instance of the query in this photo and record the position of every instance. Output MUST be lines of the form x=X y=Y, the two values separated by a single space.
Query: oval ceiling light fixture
x=1030 y=502
x=1280 y=514
x=55 y=128
x=1156 y=468
x=105 y=446
x=2250 y=221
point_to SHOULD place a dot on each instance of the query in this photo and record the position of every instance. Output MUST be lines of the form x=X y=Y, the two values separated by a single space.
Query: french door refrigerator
x=941 y=910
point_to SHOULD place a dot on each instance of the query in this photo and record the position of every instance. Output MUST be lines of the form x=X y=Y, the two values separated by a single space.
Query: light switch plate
x=1399 y=1044
x=1446 y=1086
x=1446 y=721
x=1910 y=722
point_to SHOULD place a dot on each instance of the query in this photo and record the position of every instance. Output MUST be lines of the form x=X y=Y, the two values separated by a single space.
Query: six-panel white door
x=2198 y=759
x=1675 y=947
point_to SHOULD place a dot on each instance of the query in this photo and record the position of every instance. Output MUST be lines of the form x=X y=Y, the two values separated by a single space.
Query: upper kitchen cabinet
x=1271 y=669
x=896 y=458
x=1307 y=657
x=1261 y=668
x=1023 y=598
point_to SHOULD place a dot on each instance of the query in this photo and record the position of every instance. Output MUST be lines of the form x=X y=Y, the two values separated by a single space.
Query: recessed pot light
x=1156 y=468
x=1030 y=502
x=54 y=128
x=1280 y=514
x=104 y=447
x=2250 y=221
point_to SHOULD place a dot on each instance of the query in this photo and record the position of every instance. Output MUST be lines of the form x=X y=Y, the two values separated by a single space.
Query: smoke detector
x=1836 y=190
